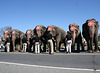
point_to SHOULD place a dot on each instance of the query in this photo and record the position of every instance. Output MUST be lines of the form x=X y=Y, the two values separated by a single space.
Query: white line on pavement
x=50 y=67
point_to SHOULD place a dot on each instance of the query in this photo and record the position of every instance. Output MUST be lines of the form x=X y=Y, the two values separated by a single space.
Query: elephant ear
x=35 y=30
x=44 y=29
x=69 y=26
x=97 y=25
x=56 y=30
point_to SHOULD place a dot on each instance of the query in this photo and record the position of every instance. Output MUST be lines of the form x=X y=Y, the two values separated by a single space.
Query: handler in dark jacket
x=37 y=44
x=68 y=42
x=8 y=44
x=50 y=42
x=24 y=40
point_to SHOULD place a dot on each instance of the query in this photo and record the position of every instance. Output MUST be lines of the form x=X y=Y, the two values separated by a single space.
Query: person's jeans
x=8 y=47
x=24 y=47
x=37 y=47
x=50 y=46
x=68 y=46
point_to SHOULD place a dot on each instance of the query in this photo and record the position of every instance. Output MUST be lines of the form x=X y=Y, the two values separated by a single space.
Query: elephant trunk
x=91 y=31
x=91 y=34
x=38 y=33
x=73 y=38
x=13 y=43
x=21 y=49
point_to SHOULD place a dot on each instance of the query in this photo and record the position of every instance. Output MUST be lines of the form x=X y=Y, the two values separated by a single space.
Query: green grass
x=98 y=43
x=93 y=44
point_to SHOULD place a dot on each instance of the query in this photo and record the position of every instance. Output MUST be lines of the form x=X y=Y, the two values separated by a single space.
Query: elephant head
x=75 y=31
x=53 y=29
x=90 y=33
x=7 y=34
x=15 y=38
x=40 y=30
x=58 y=35
x=92 y=25
x=15 y=34
x=29 y=34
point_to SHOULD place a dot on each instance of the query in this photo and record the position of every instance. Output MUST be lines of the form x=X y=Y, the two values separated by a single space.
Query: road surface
x=16 y=62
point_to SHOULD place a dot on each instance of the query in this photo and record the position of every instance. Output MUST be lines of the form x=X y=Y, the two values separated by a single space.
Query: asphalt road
x=16 y=62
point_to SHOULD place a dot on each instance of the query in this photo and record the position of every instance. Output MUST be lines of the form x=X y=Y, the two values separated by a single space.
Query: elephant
x=29 y=35
x=90 y=33
x=40 y=32
x=17 y=37
x=76 y=37
x=58 y=35
x=7 y=36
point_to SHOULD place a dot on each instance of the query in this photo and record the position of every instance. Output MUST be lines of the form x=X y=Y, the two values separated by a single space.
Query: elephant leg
x=44 y=47
x=13 y=46
x=73 y=47
x=78 y=47
x=82 y=47
x=21 y=44
x=5 y=47
x=65 y=46
x=96 y=44
x=29 y=48
x=57 y=48
x=17 y=47
x=89 y=46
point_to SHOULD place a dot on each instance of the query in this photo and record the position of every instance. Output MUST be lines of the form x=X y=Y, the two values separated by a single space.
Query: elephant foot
x=57 y=51
x=21 y=50
x=90 y=51
x=13 y=51
x=83 y=50
x=96 y=51
x=51 y=53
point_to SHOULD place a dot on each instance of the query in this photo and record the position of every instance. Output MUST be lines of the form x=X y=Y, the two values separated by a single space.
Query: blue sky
x=26 y=14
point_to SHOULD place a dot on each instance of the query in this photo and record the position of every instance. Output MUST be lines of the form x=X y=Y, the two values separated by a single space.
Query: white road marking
x=49 y=67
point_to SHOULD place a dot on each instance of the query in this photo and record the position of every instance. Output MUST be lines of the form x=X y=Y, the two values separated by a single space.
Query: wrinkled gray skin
x=7 y=34
x=17 y=37
x=29 y=34
x=40 y=31
x=58 y=34
x=90 y=33
x=76 y=37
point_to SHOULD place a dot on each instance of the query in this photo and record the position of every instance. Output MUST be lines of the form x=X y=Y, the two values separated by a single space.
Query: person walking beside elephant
x=7 y=40
x=8 y=44
x=50 y=42
x=24 y=40
x=37 y=44
x=68 y=42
